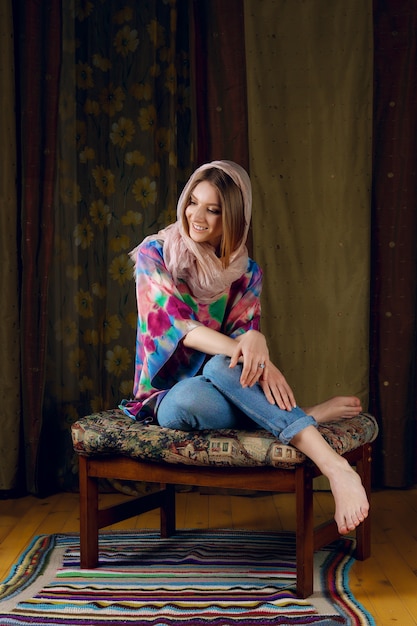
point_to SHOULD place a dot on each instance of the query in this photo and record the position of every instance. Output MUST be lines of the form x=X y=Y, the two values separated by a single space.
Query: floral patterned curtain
x=125 y=151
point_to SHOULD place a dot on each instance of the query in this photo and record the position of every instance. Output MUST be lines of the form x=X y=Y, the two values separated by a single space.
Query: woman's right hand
x=252 y=351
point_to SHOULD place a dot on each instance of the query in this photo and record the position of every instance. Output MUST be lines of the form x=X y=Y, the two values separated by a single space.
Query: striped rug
x=194 y=578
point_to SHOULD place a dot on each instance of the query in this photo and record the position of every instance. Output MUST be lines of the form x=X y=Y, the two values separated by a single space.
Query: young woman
x=201 y=361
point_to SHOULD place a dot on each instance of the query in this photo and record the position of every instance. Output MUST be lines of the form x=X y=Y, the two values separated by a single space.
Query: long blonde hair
x=233 y=215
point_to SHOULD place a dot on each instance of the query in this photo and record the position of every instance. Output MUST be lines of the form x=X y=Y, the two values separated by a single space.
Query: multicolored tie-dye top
x=166 y=312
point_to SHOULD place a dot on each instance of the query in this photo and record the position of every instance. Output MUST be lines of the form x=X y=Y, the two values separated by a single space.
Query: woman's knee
x=218 y=371
x=196 y=404
x=177 y=408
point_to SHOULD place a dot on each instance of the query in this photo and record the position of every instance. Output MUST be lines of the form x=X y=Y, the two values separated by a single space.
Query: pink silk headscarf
x=197 y=263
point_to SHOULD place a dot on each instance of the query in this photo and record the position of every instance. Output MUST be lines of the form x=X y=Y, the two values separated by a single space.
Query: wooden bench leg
x=168 y=524
x=88 y=517
x=363 y=531
x=304 y=534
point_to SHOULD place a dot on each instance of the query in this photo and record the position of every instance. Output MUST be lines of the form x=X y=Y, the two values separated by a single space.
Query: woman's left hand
x=276 y=388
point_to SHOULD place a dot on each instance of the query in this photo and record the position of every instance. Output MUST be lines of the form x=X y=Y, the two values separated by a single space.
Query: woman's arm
x=249 y=348
x=209 y=341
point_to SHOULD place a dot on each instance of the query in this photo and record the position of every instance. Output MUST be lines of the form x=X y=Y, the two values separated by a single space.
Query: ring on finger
x=261 y=365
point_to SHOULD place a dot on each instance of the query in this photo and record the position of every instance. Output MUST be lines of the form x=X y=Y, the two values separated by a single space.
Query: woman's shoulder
x=148 y=255
x=252 y=264
x=153 y=242
x=253 y=268
x=251 y=279
x=151 y=246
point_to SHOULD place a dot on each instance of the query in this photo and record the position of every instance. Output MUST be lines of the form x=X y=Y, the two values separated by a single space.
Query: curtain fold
x=220 y=91
x=394 y=252
x=9 y=276
x=39 y=71
x=220 y=81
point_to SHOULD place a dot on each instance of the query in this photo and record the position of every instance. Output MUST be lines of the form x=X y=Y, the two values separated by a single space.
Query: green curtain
x=125 y=151
x=309 y=68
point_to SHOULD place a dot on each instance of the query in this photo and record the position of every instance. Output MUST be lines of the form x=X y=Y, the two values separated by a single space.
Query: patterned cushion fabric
x=113 y=433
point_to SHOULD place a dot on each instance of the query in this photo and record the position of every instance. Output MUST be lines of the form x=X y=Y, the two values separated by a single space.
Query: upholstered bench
x=113 y=446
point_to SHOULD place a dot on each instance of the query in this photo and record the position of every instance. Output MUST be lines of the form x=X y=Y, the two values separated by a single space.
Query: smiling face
x=204 y=215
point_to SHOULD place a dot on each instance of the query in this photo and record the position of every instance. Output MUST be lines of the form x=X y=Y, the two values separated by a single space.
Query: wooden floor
x=386 y=584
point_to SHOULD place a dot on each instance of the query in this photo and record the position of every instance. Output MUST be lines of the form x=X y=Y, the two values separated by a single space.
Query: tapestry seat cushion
x=113 y=433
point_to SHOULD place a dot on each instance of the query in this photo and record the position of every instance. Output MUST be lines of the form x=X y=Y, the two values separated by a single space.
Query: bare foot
x=351 y=501
x=335 y=408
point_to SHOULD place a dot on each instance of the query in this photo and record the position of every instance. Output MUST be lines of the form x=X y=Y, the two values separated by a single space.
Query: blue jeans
x=216 y=399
